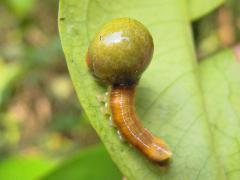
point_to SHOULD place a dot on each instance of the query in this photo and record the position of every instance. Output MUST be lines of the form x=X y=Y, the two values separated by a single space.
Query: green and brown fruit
x=120 y=51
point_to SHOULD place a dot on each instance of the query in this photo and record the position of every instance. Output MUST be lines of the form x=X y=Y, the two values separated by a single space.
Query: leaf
x=9 y=73
x=220 y=77
x=21 y=7
x=171 y=104
x=93 y=163
x=199 y=8
x=22 y=167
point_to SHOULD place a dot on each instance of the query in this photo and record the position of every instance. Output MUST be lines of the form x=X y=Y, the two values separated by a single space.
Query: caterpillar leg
x=105 y=109
x=111 y=122
x=104 y=99
x=121 y=136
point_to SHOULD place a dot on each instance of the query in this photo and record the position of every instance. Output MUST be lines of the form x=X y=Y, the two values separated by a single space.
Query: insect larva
x=125 y=118
x=118 y=55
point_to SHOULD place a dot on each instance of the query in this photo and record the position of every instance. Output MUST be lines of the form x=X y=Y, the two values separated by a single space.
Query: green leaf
x=199 y=8
x=93 y=164
x=21 y=7
x=22 y=167
x=9 y=73
x=220 y=77
x=169 y=99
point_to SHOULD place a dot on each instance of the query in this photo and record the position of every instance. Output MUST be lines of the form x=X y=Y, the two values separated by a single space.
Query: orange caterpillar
x=124 y=116
x=118 y=55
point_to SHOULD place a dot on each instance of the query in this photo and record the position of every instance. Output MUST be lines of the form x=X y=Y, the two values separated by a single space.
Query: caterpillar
x=118 y=55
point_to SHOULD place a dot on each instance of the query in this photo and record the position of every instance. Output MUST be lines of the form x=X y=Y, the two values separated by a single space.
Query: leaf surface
x=169 y=98
x=220 y=76
x=92 y=163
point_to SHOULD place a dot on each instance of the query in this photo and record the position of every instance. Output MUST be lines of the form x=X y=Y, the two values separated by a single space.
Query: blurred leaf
x=9 y=73
x=199 y=8
x=34 y=59
x=44 y=56
x=170 y=104
x=61 y=87
x=24 y=167
x=234 y=7
x=92 y=163
x=65 y=121
x=9 y=131
x=207 y=37
x=21 y=7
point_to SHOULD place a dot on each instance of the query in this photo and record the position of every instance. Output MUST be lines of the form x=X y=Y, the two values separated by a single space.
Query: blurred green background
x=44 y=134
